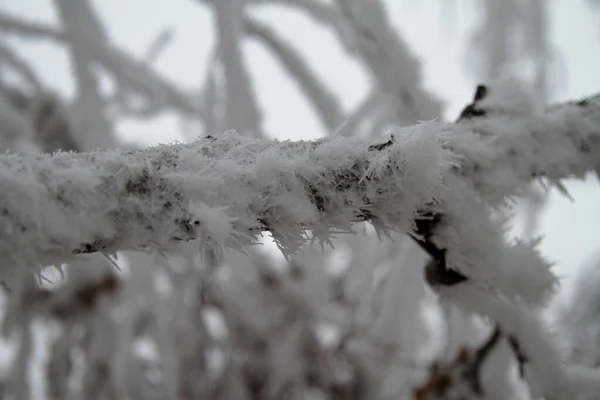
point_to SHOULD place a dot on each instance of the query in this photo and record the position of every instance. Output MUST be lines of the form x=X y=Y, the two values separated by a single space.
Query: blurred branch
x=363 y=112
x=10 y=24
x=317 y=10
x=364 y=30
x=241 y=110
x=395 y=69
x=129 y=73
x=324 y=102
x=82 y=28
x=125 y=103
x=212 y=93
x=162 y=40
x=16 y=131
x=465 y=368
x=539 y=359
x=21 y=67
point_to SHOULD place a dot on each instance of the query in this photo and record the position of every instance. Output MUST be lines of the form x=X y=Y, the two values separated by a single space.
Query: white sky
x=435 y=30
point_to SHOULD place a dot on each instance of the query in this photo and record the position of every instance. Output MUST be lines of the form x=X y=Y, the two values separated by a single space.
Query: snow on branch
x=227 y=188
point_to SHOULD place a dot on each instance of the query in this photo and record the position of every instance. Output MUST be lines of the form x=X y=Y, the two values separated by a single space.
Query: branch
x=127 y=71
x=364 y=31
x=325 y=103
x=539 y=360
x=158 y=45
x=395 y=69
x=21 y=67
x=365 y=111
x=80 y=21
x=241 y=111
x=230 y=187
x=318 y=11
x=461 y=375
x=16 y=132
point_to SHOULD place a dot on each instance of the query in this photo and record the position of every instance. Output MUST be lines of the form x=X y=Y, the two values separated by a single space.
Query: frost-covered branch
x=230 y=187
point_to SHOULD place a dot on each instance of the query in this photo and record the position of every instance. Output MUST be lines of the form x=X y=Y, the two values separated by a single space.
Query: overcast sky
x=436 y=32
